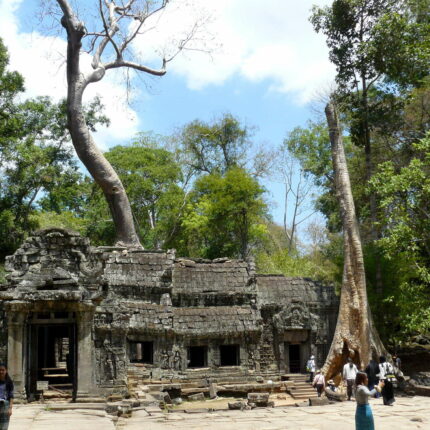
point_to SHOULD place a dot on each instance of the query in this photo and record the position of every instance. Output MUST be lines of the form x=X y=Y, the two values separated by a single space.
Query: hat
x=312 y=357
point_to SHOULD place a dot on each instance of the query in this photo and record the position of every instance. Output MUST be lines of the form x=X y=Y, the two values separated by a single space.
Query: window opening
x=229 y=355
x=142 y=352
x=197 y=356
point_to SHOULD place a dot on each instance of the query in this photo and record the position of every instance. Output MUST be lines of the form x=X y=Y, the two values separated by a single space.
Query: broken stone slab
x=418 y=390
x=213 y=391
x=191 y=391
x=196 y=411
x=112 y=407
x=153 y=410
x=237 y=405
x=335 y=395
x=69 y=406
x=318 y=401
x=196 y=397
x=162 y=396
x=260 y=399
x=244 y=389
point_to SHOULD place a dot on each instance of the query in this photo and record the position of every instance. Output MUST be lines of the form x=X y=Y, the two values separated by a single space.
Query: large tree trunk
x=92 y=158
x=355 y=334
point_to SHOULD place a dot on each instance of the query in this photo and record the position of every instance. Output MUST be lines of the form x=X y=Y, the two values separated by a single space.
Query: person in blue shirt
x=363 y=413
x=6 y=397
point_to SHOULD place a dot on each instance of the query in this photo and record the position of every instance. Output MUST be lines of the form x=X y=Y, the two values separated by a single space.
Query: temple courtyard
x=407 y=413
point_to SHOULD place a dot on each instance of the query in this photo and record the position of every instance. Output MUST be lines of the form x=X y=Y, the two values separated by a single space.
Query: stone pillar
x=85 y=366
x=286 y=357
x=282 y=357
x=15 y=351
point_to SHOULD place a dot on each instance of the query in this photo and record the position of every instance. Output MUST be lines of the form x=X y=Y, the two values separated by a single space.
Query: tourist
x=310 y=367
x=397 y=362
x=6 y=397
x=349 y=373
x=319 y=382
x=331 y=386
x=363 y=413
x=372 y=371
x=386 y=374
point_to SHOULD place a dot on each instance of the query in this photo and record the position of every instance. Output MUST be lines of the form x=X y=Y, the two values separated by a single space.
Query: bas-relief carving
x=112 y=362
x=295 y=316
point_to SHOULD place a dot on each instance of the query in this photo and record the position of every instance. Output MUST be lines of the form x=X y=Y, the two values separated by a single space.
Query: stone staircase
x=300 y=389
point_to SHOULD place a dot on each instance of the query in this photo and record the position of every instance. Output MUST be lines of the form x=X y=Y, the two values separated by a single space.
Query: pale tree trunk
x=92 y=158
x=118 y=25
x=355 y=335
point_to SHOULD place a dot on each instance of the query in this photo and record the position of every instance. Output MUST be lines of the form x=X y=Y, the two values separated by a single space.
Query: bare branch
x=123 y=63
x=109 y=33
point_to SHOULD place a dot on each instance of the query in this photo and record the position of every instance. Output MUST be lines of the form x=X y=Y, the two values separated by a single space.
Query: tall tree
x=355 y=333
x=120 y=24
x=216 y=146
x=373 y=43
x=225 y=215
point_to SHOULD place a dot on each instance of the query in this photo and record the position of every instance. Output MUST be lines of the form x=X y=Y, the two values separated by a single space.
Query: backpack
x=389 y=373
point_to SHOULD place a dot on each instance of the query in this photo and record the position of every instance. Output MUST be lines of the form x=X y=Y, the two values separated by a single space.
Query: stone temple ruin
x=85 y=319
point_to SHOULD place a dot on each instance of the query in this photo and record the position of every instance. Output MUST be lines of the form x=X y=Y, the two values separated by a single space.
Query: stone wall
x=174 y=303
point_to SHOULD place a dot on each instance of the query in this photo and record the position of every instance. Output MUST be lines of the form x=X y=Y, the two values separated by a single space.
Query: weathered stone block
x=196 y=397
x=237 y=405
x=213 y=391
x=260 y=399
x=318 y=401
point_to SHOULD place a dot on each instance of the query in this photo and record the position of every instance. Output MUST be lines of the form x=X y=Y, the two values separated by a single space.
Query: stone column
x=15 y=351
x=282 y=356
x=85 y=365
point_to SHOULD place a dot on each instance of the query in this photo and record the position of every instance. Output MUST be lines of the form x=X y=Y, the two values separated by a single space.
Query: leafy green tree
x=216 y=146
x=224 y=216
x=405 y=200
x=37 y=166
x=11 y=84
x=152 y=179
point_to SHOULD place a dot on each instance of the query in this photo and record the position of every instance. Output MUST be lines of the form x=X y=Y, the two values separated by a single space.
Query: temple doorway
x=294 y=358
x=51 y=357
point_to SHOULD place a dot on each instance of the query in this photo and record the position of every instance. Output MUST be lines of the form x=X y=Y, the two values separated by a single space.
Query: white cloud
x=41 y=60
x=254 y=40
x=271 y=40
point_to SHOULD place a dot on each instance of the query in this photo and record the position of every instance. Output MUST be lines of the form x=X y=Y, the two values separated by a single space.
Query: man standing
x=349 y=373
x=310 y=367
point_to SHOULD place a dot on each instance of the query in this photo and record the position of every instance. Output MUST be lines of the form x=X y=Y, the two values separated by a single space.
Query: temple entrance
x=52 y=353
x=294 y=358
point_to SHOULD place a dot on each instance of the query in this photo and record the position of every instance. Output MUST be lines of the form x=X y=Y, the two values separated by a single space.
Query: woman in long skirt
x=6 y=397
x=363 y=413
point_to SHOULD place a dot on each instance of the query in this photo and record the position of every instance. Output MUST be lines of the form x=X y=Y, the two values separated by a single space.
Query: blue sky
x=266 y=65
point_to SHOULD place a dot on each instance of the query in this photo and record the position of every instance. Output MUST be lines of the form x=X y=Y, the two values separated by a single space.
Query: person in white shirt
x=386 y=374
x=319 y=383
x=310 y=367
x=349 y=373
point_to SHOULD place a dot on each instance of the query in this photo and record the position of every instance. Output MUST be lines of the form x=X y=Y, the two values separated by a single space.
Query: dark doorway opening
x=142 y=352
x=229 y=355
x=294 y=358
x=51 y=354
x=197 y=356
